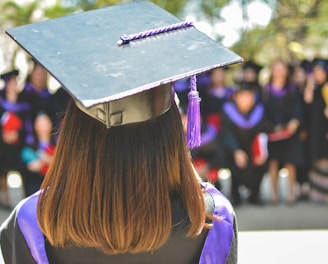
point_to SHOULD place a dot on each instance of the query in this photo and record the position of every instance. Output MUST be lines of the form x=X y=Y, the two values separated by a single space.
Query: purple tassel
x=193 y=114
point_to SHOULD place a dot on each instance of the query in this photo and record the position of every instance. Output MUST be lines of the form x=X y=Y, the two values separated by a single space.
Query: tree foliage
x=212 y=8
x=296 y=25
x=17 y=14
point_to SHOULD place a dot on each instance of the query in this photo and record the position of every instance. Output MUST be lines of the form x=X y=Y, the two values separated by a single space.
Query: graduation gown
x=10 y=153
x=23 y=242
x=318 y=127
x=238 y=133
x=41 y=101
x=282 y=106
x=211 y=148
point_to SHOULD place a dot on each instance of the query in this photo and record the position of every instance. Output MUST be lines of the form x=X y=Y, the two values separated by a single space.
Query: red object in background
x=215 y=120
x=259 y=149
x=199 y=163
x=279 y=135
x=50 y=150
x=10 y=122
x=212 y=175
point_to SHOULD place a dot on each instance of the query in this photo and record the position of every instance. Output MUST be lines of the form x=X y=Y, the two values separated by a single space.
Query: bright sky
x=259 y=14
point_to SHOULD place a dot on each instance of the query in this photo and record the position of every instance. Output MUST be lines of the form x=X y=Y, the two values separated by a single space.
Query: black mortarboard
x=6 y=76
x=320 y=62
x=306 y=65
x=242 y=85
x=252 y=65
x=113 y=83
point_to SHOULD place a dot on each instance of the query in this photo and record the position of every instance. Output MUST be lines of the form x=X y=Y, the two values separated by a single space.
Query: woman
x=121 y=187
x=37 y=156
x=16 y=130
x=209 y=156
x=284 y=119
x=39 y=96
x=315 y=96
x=243 y=124
x=136 y=178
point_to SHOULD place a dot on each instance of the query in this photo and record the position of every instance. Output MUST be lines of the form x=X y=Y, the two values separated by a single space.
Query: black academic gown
x=23 y=242
x=318 y=127
x=41 y=101
x=282 y=106
x=238 y=133
x=211 y=148
x=10 y=153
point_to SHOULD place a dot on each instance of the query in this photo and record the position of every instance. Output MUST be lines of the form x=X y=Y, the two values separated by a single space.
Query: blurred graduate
x=16 y=128
x=316 y=96
x=284 y=119
x=245 y=141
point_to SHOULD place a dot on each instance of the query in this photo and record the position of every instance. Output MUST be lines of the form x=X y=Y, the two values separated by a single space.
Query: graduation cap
x=119 y=62
x=242 y=85
x=320 y=62
x=252 y=65
x=8 y=75
x=306 y=65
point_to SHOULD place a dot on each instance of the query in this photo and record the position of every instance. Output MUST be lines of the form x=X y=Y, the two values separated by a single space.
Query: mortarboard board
x=114 y=83
x=6 y=76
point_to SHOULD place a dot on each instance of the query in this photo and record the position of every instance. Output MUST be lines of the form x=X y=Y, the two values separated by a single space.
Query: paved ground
x=272 y=234
x=283 y=247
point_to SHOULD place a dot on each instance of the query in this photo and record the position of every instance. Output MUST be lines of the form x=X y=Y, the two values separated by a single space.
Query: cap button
x=125 y=39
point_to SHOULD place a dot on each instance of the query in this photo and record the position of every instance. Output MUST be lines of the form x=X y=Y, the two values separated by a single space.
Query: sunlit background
x=256 y=29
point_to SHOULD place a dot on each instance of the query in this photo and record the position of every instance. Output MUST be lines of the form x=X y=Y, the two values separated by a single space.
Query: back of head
x=112 y=188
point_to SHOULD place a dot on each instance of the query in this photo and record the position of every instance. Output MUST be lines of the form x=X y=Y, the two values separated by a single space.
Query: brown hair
x=111 y=188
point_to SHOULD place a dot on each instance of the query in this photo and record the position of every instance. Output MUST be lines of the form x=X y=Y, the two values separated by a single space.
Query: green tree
x=295 y=25
x=172 y=6
x=14 y=15
x=58 y=10
x=18 y=15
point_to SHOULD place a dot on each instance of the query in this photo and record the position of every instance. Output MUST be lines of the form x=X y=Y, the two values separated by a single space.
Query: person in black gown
x=316 y=96
x=284 y=119
x=16 y=128
x=243 y=128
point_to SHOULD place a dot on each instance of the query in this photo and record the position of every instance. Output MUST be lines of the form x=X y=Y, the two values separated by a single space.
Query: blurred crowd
x=29 y=118
x=248 y=127
x=255 y=128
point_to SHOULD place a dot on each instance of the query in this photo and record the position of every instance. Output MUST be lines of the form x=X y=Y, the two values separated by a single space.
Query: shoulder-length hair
x=111 y=188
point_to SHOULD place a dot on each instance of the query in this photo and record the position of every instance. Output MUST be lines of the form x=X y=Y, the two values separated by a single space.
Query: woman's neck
x=11 y=97
x=44 y=138
x=37 y=86
x=278 y=84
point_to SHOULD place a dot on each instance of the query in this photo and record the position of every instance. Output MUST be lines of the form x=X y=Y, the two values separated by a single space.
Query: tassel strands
x=193 y=115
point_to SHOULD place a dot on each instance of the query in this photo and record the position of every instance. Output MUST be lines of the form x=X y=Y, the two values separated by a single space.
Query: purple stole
x=28 y=225
x=44 y=93
x=208 y=135
x=239 y=119
x=215 y=250
x=20 y=107
x=220 y=236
